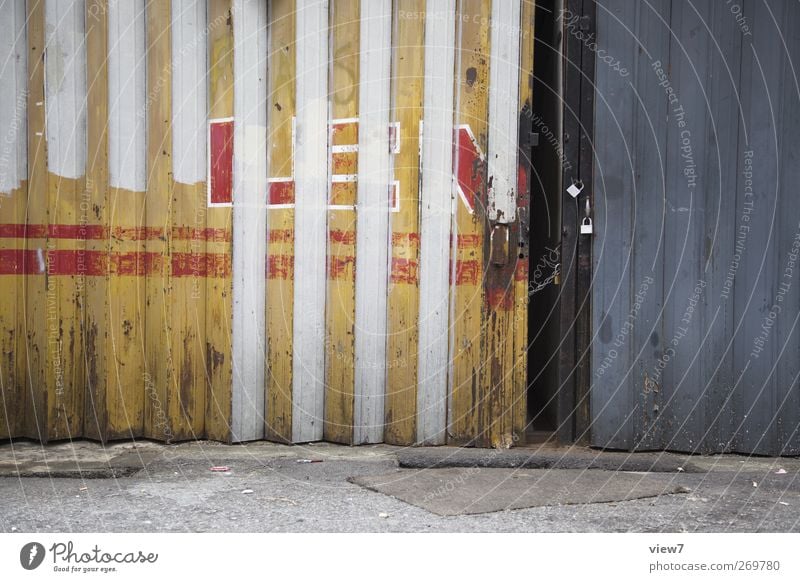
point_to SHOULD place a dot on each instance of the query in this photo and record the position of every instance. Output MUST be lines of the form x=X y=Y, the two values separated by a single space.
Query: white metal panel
x=372 y=227
x=249 y=217
x=504 y=110
x=310 y=221
x=189 y=90
x=13 y=95
x=65 y=87
x=435 y=223
x=127 y=94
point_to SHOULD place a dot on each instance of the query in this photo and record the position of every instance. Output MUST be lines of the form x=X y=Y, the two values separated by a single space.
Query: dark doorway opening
x=545 y=227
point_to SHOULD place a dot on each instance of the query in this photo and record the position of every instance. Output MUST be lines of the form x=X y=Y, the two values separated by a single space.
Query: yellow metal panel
x=280 y=245
x=64 y=373
x=219 y=373
x=159 y=377
x=340 y=311
x=189 y=304
x=472 y=97
x=403 y=301
x=97 y=291
x=12 y=311
x=126 y=381
x=55 y=292
x=36 y=213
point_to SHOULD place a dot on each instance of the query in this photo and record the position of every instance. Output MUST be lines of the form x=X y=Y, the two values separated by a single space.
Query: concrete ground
x=148 y=487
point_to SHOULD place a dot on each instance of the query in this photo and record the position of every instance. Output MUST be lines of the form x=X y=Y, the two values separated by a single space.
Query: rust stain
x=214 y=359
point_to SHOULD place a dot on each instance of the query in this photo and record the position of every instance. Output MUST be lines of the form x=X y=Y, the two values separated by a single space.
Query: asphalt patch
x=119 y=466
x=466 y=491
x=573 y=458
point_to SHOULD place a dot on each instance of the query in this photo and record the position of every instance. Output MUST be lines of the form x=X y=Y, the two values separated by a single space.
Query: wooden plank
x=35 y=288
x=13 y=193
x=403 y=298
x=249 y=218
x=218 y=289
x=467 y=293
x=189 y=112
x=65 y=110
x=435 y=220
x=97 y=295
x=127 y=184
x=160 y=374
x=280 y=245
x=311 y=214
x=340 y=310
x=495 y=404
x=374 y=179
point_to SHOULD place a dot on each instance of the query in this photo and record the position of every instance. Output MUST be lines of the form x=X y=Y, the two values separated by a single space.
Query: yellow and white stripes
x=282 y=239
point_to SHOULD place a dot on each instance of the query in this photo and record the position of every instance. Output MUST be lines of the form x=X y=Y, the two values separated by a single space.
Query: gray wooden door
x=696 y=288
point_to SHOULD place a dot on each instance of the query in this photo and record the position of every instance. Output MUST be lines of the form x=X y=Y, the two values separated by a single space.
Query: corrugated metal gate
x=239 y=219
x=695 y=344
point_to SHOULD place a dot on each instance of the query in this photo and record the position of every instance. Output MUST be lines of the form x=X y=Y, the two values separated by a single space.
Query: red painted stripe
x=100 y=263
x=336 y=128
x=214 y=265
x=469 y=241
x=405 y=271
x=280 y=267
x=500 y=299
x=468 y=272
x=410 y=239
x=201 y=234
x=281 y=235
x=522 y=184
x=22 y=231
x=521 y=270
x=341 y=268
x=98 y=232
x=342 y=237
x=281 y=193
x=59 y=231
x=221 y=152
x=471 y=169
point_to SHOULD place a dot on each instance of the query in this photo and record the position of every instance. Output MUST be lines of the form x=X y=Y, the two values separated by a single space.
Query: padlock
x=586 y=226
x=575 y=188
